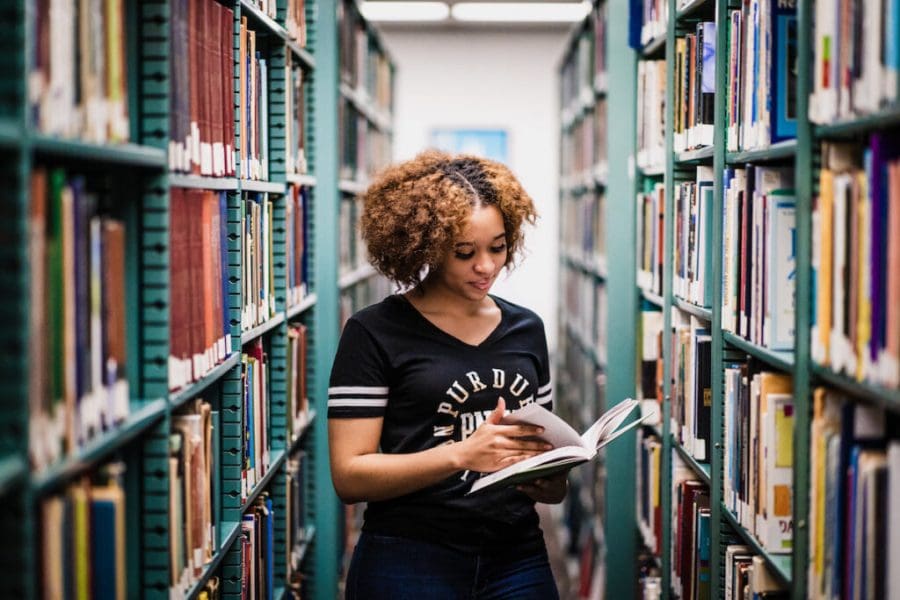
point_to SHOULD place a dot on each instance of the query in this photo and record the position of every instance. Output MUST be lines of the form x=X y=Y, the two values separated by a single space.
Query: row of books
x=199 y=320
x=651 y=216
x=193 y=492
x=201 y=95
x=854 y=534
x=651 y=114
x=691 y=391
x=654 y=19
x=759 y=255
x=758 y=456
x=255 y=386
x=650 y=375
x=762 y=74
x=295 y=138
x=585 y=308
x=364 y=148
x=856 y=260
x=583 y=234
x=82 y=533
x=692 y=249
x=258 y=280
x=695 y=88
x=297 y=216
x=582 y=153
x=295 y=21
x=577 y=75
x=691 y=537
x=364 y=66
x=856 y=58
x=77 y=70
x=257 y=543
x=748 y=576
x=352 y=251
x=296 y=379
x=78 y=384
x=297 y=536
x=356 y=297
x=253 y=104
x=649 y=497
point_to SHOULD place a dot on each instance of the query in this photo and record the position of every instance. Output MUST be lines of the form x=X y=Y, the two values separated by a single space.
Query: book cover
x=784 y=65
x=569 y=449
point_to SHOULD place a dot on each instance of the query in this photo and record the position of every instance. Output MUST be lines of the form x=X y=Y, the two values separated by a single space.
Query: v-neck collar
x=442 y=333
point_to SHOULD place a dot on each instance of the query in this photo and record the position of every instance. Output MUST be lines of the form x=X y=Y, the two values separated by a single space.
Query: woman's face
x=478 y=255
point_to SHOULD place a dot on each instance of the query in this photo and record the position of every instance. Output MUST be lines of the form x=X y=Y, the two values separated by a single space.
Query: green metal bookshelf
x=803 y=154
x=141 y=441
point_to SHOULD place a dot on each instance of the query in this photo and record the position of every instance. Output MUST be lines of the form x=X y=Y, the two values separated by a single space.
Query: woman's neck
x=430 y=297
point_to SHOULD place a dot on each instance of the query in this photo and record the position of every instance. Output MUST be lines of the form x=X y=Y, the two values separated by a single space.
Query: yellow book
x=82 y=536
x=863 y=274
x=770 y=383
x=824 y=276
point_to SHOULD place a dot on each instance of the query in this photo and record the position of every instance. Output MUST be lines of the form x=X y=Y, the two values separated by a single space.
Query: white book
x=776 y=533
x=893 y=522
x=781 y=276
x=569 y=448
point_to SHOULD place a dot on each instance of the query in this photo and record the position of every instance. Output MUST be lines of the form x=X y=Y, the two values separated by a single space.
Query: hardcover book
x=569 y=448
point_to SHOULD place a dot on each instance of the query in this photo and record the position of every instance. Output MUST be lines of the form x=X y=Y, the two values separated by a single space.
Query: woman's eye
x=498 y=249
x=465 y=255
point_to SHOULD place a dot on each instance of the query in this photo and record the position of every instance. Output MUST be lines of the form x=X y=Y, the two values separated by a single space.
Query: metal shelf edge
x=779 y=564
x=124 y=154
x=689 y=307
x=355 y=276
x=779 y=151
x=308 y=302
x=251 y=185
x=702 y=469
x=279 y=457
x=179 y=397
x=209 y=568
x=783 y=361
x=101 y=447
x=203 y=183
x=260 y=330
x=12 y=469
x=873 y=393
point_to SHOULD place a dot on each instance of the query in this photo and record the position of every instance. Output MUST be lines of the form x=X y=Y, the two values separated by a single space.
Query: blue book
x=270 y=549
x=783 y=77
x=223 y=245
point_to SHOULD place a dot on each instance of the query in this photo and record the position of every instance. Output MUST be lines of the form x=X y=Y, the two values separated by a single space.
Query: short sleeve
x=358 y=386
x=544 y=395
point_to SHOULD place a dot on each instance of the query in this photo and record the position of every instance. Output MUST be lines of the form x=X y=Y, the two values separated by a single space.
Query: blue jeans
x=394 y=568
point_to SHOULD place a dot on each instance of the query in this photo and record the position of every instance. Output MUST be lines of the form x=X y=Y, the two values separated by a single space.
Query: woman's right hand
x=494 y=446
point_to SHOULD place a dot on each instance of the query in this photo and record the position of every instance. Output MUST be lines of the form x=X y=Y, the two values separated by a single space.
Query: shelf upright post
x=147 y=509
x=803 y=301
x=667 y=450
x=327 y=547
x=18 y=518
x=622 y=285
x=717 y=541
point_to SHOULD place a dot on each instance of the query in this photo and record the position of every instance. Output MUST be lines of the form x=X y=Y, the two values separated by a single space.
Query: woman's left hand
x=548 y=490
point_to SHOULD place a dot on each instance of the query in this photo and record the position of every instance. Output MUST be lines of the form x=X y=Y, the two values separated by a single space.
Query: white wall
x=491 y=78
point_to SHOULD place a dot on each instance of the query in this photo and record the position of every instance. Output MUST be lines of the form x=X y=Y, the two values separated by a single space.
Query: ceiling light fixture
x=405 y=11
x=526 y=12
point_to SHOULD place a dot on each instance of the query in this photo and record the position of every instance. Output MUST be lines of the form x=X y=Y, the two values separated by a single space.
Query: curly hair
x=414 y=211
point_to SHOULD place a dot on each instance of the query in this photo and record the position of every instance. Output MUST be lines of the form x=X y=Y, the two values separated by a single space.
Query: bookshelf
x=655 y=35
x=364 y=73
x=131 y=167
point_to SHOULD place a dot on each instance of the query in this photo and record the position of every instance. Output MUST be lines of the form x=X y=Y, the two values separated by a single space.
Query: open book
x=569 y=448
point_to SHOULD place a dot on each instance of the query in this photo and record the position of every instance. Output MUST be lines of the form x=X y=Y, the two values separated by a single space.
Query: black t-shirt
x=432 y=388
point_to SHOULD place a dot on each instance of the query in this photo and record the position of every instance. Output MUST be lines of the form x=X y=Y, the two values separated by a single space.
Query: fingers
x=495 y=417
x=519 y=431
x=510 y=443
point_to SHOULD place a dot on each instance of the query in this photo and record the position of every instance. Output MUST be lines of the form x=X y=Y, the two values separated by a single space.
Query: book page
x=540 y=465
x=556 y=431
x=608 y=423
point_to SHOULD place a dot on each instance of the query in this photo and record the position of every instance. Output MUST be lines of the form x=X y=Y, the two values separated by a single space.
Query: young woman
x=421 y=381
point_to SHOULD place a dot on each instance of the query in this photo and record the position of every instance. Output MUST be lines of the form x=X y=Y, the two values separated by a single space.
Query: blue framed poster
x=487 y=143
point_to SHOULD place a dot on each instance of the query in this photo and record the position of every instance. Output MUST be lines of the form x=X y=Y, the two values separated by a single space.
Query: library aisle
x=720 y=189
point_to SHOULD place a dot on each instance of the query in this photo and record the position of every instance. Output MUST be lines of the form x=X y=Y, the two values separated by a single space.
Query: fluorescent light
x=405 y=11
x=521 y=11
